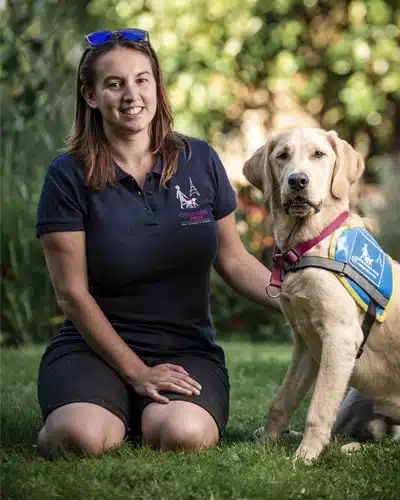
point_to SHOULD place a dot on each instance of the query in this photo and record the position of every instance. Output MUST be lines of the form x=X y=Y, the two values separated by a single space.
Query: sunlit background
x=235 y=71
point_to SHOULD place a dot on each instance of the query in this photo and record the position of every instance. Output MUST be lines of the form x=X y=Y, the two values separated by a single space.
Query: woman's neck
x=132 y=152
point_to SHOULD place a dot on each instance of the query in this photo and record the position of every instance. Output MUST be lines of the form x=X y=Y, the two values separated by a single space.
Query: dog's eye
x=283 y=155
x=318 y=154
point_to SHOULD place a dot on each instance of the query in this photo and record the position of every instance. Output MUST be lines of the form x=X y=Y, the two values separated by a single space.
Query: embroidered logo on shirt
x=189 y=202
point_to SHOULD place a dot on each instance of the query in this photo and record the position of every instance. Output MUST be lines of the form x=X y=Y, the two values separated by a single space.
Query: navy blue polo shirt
x=149 y=250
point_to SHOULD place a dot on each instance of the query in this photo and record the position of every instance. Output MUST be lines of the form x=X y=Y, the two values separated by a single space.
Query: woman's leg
x=80 y=428
x=178 y=425
x=188 y=422
x=85 y=403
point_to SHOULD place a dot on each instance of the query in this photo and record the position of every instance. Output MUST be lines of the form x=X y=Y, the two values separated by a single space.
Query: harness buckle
x=290 y=260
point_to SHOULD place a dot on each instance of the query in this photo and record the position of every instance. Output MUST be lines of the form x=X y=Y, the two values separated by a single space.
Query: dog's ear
x=257 y=169
x=349 y=166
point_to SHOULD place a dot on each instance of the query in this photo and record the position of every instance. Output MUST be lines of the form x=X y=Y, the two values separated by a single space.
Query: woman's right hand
x=164 y=377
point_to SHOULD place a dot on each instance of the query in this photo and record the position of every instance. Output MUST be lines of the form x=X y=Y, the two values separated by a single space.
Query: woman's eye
x=142 y=80
x=319 y=154
x=114 y=85
x=284 y=155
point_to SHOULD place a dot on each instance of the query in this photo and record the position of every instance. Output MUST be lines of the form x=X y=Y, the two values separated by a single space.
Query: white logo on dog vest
x=357 y=247
x=367 y=257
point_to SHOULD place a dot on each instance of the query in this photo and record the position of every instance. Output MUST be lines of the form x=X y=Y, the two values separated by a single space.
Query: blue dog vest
x=356 y=247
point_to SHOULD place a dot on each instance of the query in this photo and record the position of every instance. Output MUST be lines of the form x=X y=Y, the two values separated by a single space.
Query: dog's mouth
x=301 y=207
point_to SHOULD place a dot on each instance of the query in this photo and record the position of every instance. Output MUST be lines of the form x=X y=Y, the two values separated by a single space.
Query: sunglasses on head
x=132 y=34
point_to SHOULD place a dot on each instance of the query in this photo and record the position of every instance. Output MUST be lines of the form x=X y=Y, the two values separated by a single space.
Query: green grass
x=235 y=469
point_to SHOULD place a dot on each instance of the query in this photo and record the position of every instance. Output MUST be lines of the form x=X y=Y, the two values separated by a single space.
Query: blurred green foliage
x=340 y=58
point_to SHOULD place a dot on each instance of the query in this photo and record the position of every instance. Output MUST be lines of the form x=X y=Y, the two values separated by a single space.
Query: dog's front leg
x=299 y=377
x=337 y=363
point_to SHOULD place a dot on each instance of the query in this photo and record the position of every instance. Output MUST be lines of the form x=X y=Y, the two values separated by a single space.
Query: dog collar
x=282 y=260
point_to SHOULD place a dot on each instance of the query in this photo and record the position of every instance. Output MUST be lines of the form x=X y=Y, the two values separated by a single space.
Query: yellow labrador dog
x=307 y=174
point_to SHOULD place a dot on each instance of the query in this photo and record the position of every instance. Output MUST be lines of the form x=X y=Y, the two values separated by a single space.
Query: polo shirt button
x=139 y=193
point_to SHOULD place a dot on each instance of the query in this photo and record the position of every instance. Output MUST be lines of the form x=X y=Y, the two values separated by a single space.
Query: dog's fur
x=324 y=318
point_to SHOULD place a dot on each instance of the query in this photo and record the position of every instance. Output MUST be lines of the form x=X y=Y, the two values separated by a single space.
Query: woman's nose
x=131 y=91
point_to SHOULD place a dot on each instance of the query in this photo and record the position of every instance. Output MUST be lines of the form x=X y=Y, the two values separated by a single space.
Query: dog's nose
x=298 y=181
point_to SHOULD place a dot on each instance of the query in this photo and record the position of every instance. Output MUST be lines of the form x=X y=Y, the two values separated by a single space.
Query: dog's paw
x=350 y=447
x=305 y=455
x=259 y=434
x=289 y=435
x=292 y=435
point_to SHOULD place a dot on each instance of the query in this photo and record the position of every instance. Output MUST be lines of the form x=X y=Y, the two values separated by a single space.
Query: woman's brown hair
x=87 y=140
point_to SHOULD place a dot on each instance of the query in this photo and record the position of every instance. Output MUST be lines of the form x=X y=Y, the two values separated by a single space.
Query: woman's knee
x=173 y=431
x=191 y=437
x=79 y=435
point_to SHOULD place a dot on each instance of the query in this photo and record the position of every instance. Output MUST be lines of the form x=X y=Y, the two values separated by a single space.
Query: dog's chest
x=310 y=303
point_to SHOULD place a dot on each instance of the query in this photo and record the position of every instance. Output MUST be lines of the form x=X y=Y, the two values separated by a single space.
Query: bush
x=28 y=308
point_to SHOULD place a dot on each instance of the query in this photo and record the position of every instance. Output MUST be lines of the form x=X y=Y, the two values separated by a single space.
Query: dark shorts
x=74 y=373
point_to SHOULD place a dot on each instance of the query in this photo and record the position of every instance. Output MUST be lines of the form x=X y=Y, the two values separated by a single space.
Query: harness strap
x=341 y=268
x=295 y=253
x=367 y=324
x=346 y=270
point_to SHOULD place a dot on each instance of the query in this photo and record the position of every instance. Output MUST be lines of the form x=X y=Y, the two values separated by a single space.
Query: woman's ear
x=348 y=167
x=89 y=95
x=257 y=169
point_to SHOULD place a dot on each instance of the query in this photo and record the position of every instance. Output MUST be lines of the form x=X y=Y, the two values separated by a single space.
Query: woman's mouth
x=133 y=111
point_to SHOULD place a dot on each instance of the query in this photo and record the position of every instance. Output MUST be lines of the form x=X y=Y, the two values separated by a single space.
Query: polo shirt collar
x=157 y=169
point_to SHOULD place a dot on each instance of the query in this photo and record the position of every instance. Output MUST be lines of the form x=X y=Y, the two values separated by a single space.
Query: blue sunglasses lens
x=133 y=34
x=99 y=37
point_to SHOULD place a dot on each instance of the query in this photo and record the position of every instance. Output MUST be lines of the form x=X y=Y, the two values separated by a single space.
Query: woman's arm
x=239 y=268
x=66 y=262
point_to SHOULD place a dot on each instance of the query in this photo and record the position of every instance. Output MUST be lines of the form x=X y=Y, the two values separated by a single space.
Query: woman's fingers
x=185 y=385
x=176 y=368
x=169 y=378
x=182 y=374
x=174 y=387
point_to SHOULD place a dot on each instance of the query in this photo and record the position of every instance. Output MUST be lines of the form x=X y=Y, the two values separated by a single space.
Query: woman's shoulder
x=65 y=165
x=194 y=142
x=64 y=161
x=199 y=148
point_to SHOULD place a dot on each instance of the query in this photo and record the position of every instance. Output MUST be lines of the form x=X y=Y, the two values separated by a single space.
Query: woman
x=131 y=220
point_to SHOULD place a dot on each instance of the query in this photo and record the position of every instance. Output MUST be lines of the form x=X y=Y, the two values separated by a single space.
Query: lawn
x=236 y=469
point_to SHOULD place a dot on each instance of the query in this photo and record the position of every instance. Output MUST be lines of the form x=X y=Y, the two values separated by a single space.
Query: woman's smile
x=132 y=110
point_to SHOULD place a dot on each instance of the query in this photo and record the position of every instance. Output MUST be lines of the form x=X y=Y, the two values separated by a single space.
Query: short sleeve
x=225 y=196
x=62 y=203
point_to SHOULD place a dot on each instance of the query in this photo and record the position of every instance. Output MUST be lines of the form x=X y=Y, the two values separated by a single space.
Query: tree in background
x=340 y=57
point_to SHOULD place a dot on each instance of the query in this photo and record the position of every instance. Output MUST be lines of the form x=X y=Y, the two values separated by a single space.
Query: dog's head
x=303 y=169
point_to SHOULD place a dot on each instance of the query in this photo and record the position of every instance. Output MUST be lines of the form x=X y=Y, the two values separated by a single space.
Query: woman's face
x=124 y=92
